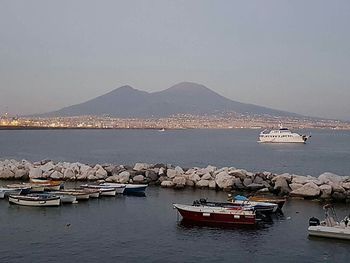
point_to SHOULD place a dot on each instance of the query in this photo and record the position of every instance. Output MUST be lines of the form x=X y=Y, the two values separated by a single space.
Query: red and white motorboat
x=218 y=215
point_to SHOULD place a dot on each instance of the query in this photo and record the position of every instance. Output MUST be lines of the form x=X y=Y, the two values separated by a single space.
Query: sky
x=289 y=55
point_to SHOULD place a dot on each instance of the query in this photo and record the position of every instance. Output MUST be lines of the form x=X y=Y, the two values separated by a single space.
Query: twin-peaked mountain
x=182 y=98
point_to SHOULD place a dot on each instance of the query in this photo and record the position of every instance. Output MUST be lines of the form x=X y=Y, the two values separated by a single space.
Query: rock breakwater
x=327 y=186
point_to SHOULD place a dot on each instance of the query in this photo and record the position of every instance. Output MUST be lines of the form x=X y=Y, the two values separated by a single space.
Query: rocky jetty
x=326 y=186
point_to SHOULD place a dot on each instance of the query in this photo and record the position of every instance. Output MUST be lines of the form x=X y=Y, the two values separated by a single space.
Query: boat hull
x=18 y=200
x=119 y=188
x=282 y=135
x=135 y=189
x=108 y=192
x=94 y=195
x=279 y=201
x=68 y=199
x=217 y=216
x=330 y=232
x=127 y=188
x=79 y=194
x=259 y=206
x=8 y=191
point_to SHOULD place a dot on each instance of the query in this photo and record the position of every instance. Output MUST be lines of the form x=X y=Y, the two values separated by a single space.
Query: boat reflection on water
x=137 y=194
x=188 y=224
x=264 y=223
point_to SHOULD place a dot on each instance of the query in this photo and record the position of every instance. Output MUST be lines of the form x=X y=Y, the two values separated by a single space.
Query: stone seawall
x=326 y=186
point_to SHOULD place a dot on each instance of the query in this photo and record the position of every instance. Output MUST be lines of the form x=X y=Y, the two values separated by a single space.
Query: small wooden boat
x=70 y=199
x=49 y=185
x=108 y=191
x=27 y=186
x=103 y=190
x=79 y=194
x=204 y=202
x=93 y=193
x=35 y=200
x=127 y=188
x=262 y=207
x=330 y=227
x=265 y=199
x=217 y=215
x=65 y=197
x=119 y=188
x=5 y=191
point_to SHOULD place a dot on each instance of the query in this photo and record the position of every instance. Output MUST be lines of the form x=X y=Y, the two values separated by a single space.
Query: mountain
x=185 y=97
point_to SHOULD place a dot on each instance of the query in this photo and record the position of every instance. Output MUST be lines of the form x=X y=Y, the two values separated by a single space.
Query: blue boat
x=129 y=188
x=258 y=206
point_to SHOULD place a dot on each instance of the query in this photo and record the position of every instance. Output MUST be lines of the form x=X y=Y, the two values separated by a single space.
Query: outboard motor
x=313 y=221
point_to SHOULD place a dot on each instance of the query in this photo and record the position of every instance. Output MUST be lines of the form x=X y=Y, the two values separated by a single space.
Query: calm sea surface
x=147 y=229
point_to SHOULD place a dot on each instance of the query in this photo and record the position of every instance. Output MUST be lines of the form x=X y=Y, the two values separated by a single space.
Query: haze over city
x=286 y=55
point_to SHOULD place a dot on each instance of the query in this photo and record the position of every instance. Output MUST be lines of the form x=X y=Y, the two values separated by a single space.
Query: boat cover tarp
x=241 y=198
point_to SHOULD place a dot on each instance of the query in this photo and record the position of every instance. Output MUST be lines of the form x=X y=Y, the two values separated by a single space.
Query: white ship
x=282 y=135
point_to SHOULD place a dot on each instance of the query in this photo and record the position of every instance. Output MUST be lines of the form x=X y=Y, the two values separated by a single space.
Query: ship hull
x=217 y=216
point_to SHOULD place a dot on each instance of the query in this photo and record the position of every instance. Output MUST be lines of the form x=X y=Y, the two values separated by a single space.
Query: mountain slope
x=185 y=97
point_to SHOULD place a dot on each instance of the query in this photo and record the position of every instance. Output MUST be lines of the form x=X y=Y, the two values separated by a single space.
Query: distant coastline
x=156 y=129
x=175 y=122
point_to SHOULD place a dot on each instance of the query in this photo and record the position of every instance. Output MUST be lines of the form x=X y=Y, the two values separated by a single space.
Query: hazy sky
x=290 y=55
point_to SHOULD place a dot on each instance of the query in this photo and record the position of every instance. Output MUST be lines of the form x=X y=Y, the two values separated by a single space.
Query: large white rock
x=56 y=175
x=21 y=174
x=331 y=177
x=346 y=186
x=69 y=174
x=286 y=176
x=192 y=170
x=179 y=170
x=161 y=171
x=295 y=186
x=194 y=177
x=307 y=190
x=91 y=175
x=101 y=173
x=247 y=181
x=337 y=187
x=206 y=176
x=202 y=183
x=112 y=179
x=212 y=184
x=167 y=184
x=239 y=173
x=281 y=184
x=6 y=174
x=47 y=167
x=224 y=180
x=152 y=175
x=138 y=178
x=258 y=179
x=83 y=175
x=171 y=173
x=141 y=166
x=326 y=191
x=123 y=177
x=223 y=169
x=237 y=183
x=190 y=182
x=299 y=179
x=83 y=168
x=35 y=173
x=211 y=168
x=208 y=170
x=179 y=181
